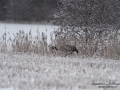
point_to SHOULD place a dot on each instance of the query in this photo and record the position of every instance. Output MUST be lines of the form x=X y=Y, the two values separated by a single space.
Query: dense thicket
x=27 y=10
x=88 y=19
x=92 y=25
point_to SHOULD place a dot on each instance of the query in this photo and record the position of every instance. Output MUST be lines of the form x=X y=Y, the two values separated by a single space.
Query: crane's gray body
x=68 y=49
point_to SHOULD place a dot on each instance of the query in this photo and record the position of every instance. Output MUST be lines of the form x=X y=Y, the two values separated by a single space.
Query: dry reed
x=26 y=43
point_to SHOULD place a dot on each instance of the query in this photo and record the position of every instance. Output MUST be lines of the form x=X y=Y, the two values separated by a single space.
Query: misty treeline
x=27 y=10
x=91 y=25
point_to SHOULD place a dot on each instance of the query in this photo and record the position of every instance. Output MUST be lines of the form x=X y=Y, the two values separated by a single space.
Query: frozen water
x=14 y=28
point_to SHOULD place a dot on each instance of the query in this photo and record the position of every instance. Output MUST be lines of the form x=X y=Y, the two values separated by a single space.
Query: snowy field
x=35 y=72
x=11 y=28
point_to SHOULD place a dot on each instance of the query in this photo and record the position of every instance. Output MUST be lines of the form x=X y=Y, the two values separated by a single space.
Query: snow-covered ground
x=15 y=27
x=36 y=72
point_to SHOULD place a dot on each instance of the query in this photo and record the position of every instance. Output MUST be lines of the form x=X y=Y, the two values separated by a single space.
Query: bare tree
x=87 y=20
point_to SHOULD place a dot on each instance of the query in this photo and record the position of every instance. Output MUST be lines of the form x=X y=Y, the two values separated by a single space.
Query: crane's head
x=54 y=47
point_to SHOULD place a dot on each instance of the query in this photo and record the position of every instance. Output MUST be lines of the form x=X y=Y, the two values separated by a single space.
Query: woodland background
x=27 y=10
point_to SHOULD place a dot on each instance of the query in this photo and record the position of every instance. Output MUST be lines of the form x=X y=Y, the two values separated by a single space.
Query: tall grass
x=25 y=43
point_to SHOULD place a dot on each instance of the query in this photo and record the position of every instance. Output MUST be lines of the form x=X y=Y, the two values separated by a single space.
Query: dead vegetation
x=26 y=43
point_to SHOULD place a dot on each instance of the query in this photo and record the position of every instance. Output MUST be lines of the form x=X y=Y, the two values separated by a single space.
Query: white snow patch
x=10 y=88
x=35 y=72
x=14 y=28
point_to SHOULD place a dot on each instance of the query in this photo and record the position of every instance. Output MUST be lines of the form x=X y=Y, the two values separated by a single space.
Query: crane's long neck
x=54 y=48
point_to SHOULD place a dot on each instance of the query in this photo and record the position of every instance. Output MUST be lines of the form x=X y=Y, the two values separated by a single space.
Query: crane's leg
x=65 y=54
